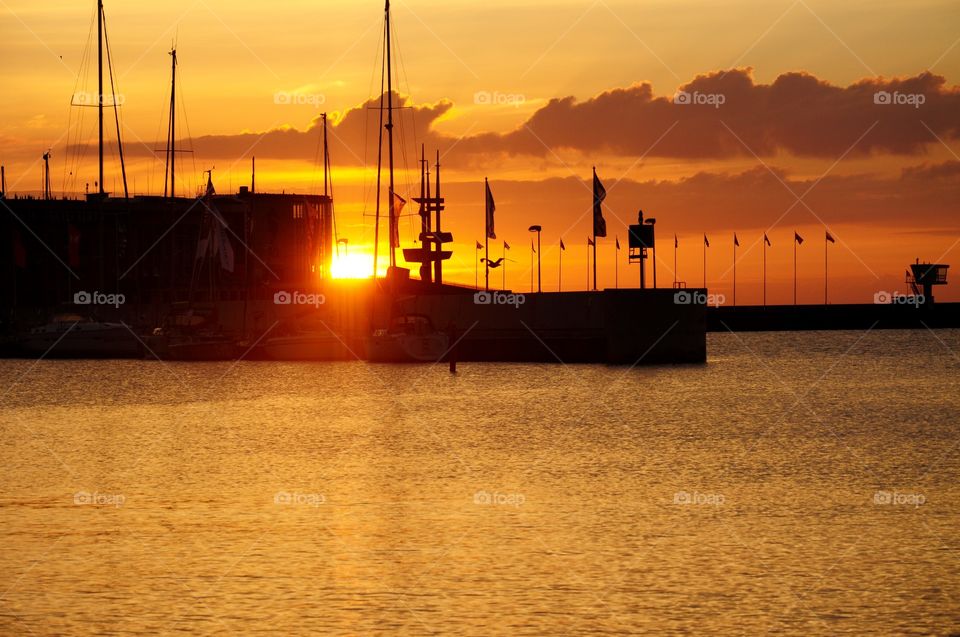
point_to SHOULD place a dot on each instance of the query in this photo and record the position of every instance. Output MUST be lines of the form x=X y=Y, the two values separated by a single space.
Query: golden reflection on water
x=798 y=483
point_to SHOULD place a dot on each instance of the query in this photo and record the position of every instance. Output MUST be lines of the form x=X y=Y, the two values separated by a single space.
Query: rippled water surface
x=797 y=484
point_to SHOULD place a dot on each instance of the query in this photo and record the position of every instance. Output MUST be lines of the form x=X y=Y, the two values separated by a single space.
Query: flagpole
x=653 y=258
x=476 y=271
x=794 y=268
x=594 y=232
x=560 y=275
x=616 y=263
x=588 y=262
x=704 y=264
x=594 y=259
x=734 y=270
x=824 y=269
x=676 y=244
x=504 y=266
x=531 y=266
x=486 y=237
x=764 y=270
x=539 y=264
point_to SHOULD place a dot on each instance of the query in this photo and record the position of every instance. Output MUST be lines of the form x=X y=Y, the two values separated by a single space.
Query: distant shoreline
x=782 y=318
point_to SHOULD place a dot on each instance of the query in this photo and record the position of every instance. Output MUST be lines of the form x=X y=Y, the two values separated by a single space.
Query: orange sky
x=883 y=178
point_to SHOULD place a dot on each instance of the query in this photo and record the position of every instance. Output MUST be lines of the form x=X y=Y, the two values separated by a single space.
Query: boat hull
x=403 y=348
x=107 y=343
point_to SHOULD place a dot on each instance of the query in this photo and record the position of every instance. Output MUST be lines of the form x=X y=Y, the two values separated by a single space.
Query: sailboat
x=408 y=337
x=72 y=335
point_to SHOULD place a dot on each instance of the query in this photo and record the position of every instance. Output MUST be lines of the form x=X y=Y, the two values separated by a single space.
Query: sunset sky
x=532 y=95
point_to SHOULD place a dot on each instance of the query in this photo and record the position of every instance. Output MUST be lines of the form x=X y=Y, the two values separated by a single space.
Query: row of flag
x=736 y=242
x=506 y=246
x=600 y=224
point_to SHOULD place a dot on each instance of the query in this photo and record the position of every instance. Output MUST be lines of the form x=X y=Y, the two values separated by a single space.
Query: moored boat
x=411 y=338
x=76 y=336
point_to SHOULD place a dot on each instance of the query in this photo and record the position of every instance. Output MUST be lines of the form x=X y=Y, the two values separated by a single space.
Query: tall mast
x=325 y=155
x=172 y=151
x=389 y=127
x=100 y=85
x=438 y=268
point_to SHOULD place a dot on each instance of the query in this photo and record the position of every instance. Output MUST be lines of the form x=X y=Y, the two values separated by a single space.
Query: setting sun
x=352 y=266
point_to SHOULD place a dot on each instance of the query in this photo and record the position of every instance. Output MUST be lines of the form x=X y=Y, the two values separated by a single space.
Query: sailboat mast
x=100 y=85
x=325 y=156
x=393 y=216
x=173 y=124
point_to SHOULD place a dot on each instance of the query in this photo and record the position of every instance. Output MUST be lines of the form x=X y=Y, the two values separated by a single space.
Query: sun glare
x=352 y=266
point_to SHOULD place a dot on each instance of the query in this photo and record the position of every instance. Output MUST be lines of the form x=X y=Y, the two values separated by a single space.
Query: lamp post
x=538 y=229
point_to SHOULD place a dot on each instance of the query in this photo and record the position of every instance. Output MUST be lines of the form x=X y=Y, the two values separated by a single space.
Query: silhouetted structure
x=923 y=276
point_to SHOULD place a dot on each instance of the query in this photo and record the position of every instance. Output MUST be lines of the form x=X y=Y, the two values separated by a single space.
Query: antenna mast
x=393 y=215
x=170 y=169
x=100 y=87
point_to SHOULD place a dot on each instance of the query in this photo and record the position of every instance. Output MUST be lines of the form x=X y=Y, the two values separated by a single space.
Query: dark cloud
x=726 y=114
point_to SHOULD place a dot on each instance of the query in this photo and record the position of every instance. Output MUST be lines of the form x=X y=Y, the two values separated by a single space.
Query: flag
x=210 y=190
x=479 y=247
x=203 y=246
x=73 y=245
x=766 y=240
x=706 y=242
x=506 y=246
x=19 y=252
x=590 y=241
x=531 y=246
x=217 y=242
x=830 y=238
x=617 y=239
x=562 y=247
x=676 y=242
x=396 y=205
x=491 y=207
x=599 y=194
x=736 y=241
x=225 y=248
x=797 y=237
